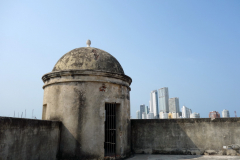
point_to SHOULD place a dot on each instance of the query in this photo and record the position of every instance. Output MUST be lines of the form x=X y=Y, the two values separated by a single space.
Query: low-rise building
x=214 y=114
x=195 y=115
x=150 y=115
x=163 y=115
x=144 y=115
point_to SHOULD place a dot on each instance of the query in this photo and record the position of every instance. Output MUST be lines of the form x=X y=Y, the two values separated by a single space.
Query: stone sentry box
x=75 y=93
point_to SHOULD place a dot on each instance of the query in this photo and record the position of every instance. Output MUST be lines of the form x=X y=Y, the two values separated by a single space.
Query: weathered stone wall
x=183 y=136
x=28 y=139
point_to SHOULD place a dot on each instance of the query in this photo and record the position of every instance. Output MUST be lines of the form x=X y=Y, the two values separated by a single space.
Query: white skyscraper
x=186 y=112
x=174 y=105
x=225 y=113
x=163 y=99
x=154 y=103
x=150 y=105
x=138 y=114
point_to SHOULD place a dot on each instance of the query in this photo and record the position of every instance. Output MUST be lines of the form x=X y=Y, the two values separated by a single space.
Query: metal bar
x=109 y=135
x=108 y=129
x=111 y=128
x=114 y=129
x=109 y=120
x=105 y=131
x=109 y=124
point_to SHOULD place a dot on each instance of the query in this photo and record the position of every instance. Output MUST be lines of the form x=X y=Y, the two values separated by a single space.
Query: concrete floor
x=180 y=157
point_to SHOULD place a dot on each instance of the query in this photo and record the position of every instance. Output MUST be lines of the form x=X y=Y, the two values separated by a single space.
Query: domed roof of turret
x=88 y=58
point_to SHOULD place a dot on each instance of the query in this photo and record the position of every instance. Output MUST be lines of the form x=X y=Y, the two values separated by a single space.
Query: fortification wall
x=183 y=136
x=28 y=139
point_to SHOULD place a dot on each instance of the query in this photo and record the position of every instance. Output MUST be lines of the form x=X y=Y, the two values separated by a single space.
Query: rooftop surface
x=180 y=157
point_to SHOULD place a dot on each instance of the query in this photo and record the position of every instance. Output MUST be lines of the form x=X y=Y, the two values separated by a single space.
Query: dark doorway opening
x=110 y=130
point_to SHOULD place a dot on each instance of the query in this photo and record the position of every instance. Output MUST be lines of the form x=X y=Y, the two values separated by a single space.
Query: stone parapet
x=28 y=138
x=184 y=136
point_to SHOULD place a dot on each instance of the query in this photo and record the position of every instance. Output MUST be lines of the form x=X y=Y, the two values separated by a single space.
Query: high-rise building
x=150 y=105
x=146 y=110
x=186 y=112
x=142 y=109
x=225 y=113
x=214 y=114
x=154 y=103
x=195 y=115
x=138 y=114
x=174 y=105
x=163 y=99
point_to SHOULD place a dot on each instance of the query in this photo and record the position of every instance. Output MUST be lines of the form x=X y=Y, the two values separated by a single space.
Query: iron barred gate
x=110 y=130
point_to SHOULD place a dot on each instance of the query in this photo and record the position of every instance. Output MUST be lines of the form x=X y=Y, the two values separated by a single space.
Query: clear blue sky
x=191 y=47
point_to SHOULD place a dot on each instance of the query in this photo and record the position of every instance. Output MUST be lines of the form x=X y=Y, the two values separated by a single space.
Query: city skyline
x=185 y=112
x=169 y=108
x=172 y=106
x=163 y=107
